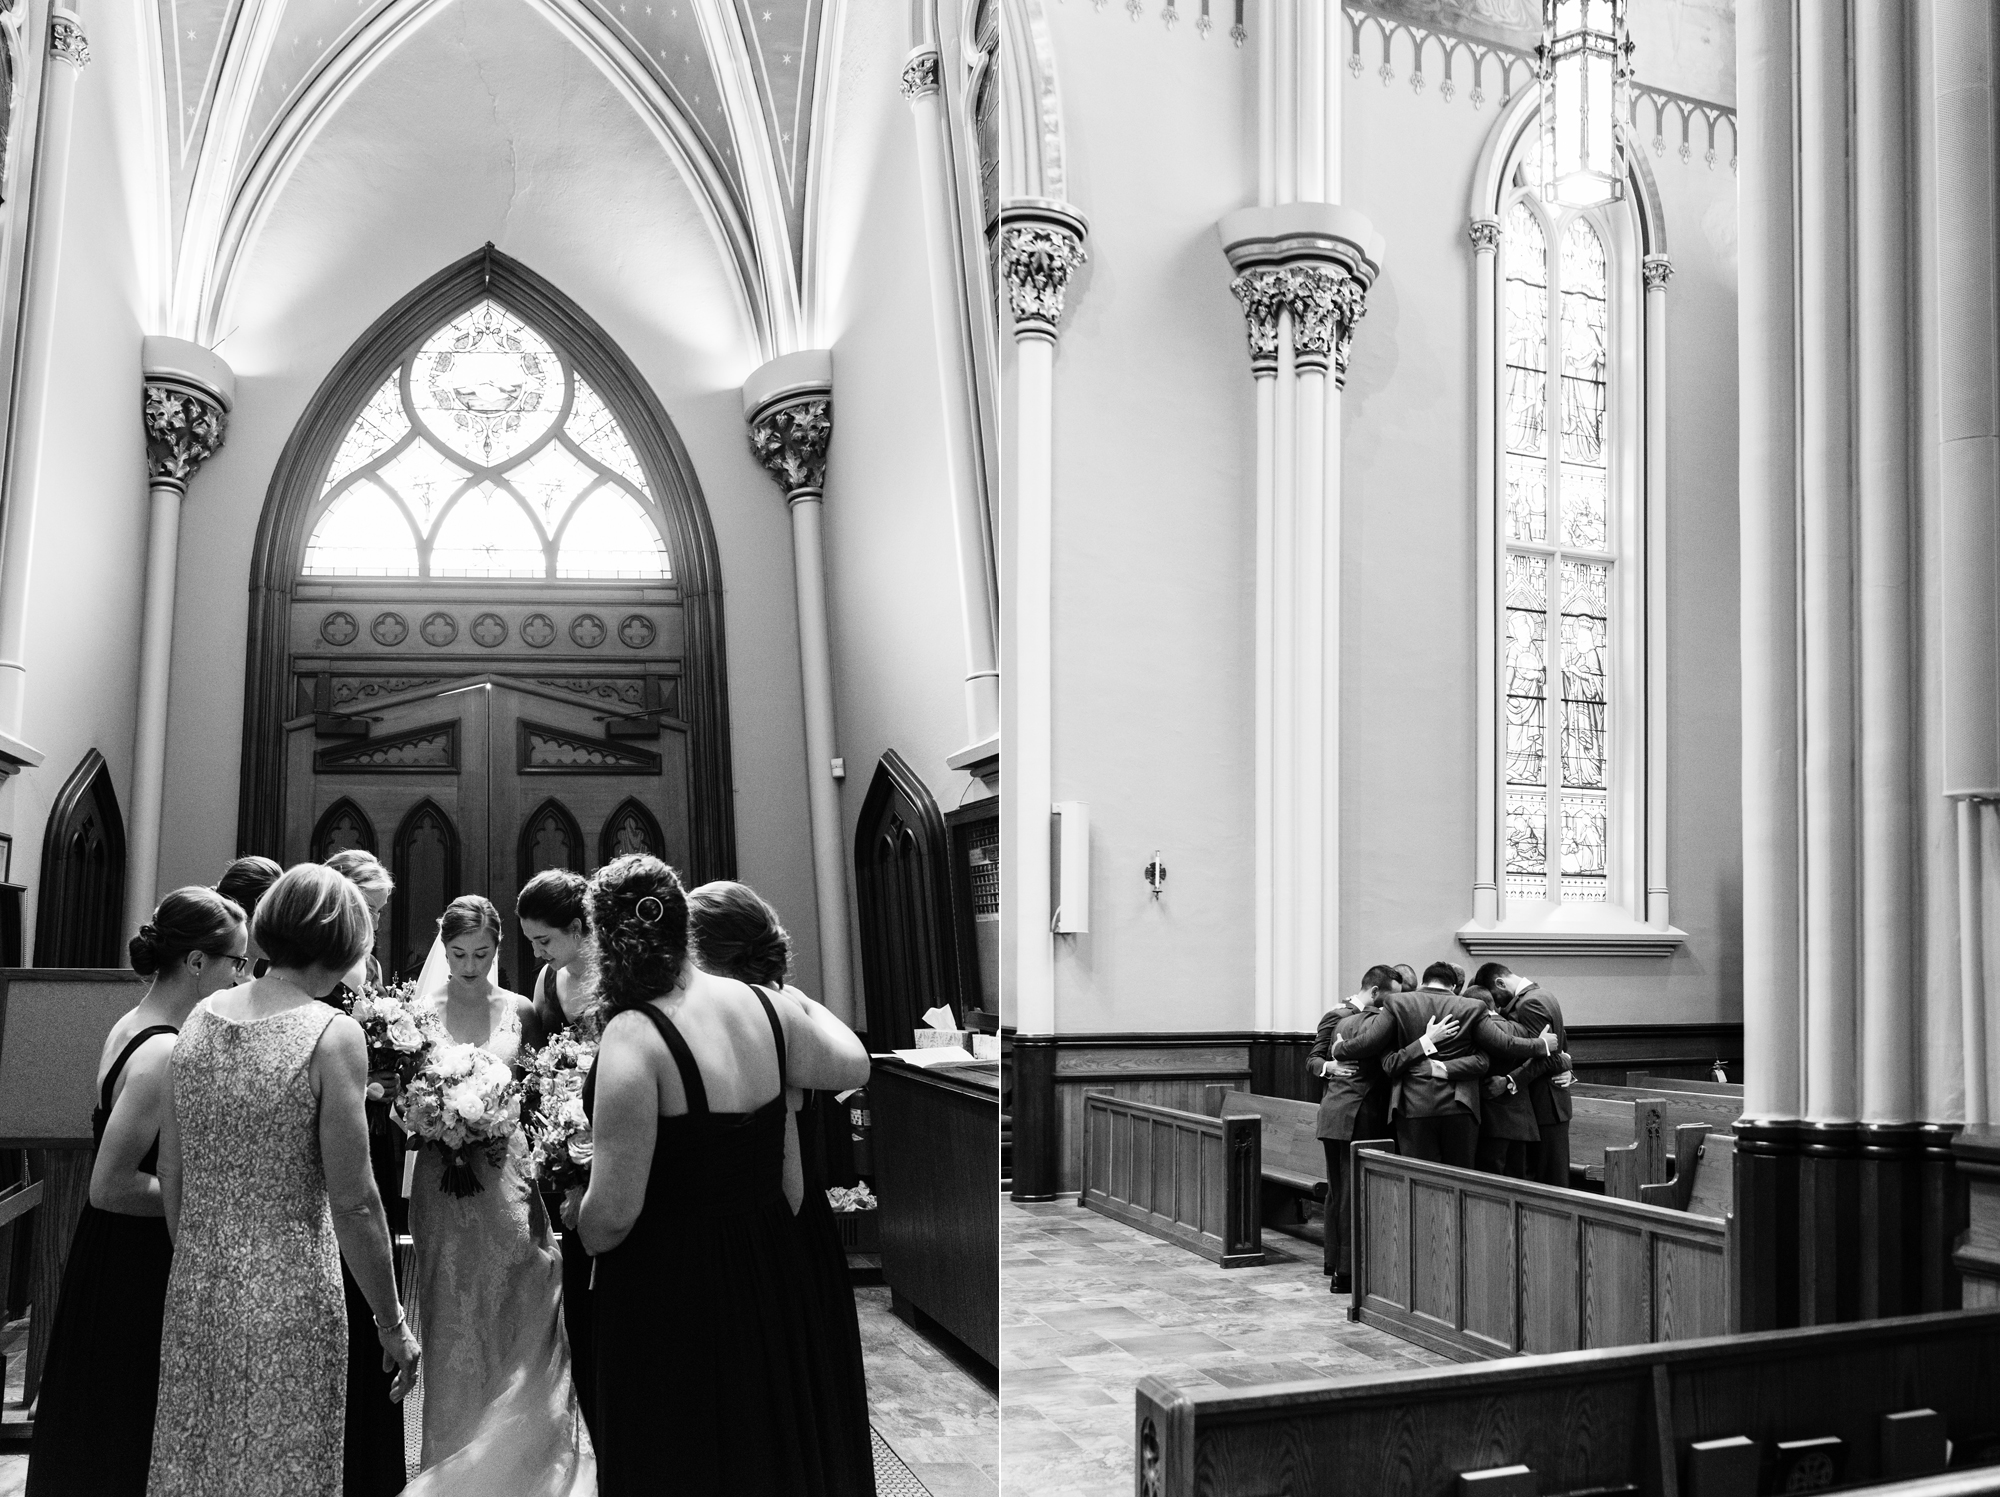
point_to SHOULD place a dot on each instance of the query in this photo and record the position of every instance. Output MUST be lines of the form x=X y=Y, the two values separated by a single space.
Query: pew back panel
x=1181 y=1176
x=1473 y=1265
x=1581 y=1421
x=1718 y=1111
x=1288 y=1139
x=1646 y=1082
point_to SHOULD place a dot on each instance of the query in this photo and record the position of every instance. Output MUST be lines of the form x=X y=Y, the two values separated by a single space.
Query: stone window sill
x=1569 y=934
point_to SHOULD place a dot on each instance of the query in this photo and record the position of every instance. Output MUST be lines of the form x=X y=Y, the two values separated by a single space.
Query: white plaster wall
x=486 y=125
x=88 y=561
x=1155 y=465
x=1154 y=536
x=892 y=578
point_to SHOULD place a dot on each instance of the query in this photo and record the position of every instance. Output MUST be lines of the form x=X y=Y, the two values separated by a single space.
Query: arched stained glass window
x=1558 y=578
x=486 y=455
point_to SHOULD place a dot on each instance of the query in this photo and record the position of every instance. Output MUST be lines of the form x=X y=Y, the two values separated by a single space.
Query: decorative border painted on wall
x=294 y=489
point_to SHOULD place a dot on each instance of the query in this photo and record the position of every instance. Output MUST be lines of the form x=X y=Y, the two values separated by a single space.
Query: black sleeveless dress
x=842 y=1404
x=372 y=1454
x=94 y=1424
x=707 y=1375
x=575 y=1261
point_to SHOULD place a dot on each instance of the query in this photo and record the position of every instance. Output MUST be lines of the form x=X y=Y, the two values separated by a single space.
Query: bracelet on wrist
x=396 y=1324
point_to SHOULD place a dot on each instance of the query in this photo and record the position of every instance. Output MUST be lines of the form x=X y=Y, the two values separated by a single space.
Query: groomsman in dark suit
x=1508 y=1132
x=1448 y=1041
x=1546 y=1080
x=1354 y=1105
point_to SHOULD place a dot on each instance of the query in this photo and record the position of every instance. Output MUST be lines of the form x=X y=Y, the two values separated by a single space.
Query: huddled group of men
x=1473 y=1075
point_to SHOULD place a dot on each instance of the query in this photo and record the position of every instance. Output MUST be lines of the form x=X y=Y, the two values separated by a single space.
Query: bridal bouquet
x=397 y=1040
x=467 y=1103
x=552 y=1109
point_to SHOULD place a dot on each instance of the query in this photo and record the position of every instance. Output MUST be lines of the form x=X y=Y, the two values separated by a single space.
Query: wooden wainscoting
x=1163 y=1075
x=1473 y=1265
x=1181 y=1176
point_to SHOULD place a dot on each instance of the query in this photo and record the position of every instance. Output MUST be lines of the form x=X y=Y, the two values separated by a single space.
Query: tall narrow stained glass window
x=1559 y=562
x=485 y=454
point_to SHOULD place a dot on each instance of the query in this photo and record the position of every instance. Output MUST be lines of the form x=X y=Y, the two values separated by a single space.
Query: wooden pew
x=1294 y=1164
x=1596 y=1421
x=1642 y=1081
x=1187 y=1178
x=1700 y=1125
x=1472 y=1265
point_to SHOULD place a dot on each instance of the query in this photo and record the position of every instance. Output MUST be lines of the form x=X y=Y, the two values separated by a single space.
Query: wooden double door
x=472 y=785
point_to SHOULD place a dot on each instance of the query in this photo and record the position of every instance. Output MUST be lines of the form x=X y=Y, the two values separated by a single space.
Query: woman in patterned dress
x=94 y=1422
x=265 y=1182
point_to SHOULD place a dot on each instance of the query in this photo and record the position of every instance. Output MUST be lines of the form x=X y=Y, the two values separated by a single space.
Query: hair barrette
x=652 y=916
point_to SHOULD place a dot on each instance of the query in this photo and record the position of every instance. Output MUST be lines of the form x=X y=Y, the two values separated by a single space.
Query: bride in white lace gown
x=499 y=1410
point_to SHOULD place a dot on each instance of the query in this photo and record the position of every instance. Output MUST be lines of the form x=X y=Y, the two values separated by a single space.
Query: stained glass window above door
x=486 y=454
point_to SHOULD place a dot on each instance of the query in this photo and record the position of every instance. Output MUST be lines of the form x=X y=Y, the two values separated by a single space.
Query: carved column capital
x=1326 y=303
x=1484 y=234
x=1658 y=270
x=184 y=429
x=1264 y=291
x=790 y=440
x=1041 y=246
x=67 y=41
x=920 y=74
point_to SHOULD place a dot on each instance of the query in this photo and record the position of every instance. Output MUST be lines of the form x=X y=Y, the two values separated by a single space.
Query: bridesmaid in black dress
x=374 y=1455
x=706 y=1369
x=552 y=915
x=94 y=1424
x=735 y=933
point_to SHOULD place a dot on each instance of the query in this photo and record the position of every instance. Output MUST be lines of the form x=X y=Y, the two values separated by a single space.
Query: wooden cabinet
x=937 y=1174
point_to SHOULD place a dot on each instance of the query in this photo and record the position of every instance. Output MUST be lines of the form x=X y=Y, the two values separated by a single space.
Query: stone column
x=1303 y=271
x=970 y=509
x=1041 y=248
x=1485 y=235
x=789 y=405
x=70 y=51
x=1657 y=271
x=185 y=405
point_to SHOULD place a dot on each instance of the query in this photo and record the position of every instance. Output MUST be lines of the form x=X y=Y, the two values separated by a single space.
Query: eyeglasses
x=238 y=962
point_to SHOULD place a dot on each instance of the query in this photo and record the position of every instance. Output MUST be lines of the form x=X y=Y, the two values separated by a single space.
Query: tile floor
x=1089 y=1306
x=939 y=1419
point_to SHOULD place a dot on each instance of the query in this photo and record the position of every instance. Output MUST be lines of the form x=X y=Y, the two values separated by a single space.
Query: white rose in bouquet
x=467 y=1103
x=404 y=1034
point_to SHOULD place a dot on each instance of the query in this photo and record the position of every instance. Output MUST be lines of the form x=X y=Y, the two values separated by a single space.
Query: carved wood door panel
x=471 y=785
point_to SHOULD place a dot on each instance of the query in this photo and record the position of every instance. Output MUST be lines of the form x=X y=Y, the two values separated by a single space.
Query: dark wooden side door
x=909 y=959
x=80 y=908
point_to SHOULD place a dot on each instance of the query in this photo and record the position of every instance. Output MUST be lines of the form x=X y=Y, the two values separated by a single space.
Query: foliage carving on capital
x=920 y=75
x=1038 y=259
x=1658 y=270
x=1264 y=292
x=67 y=43
x=791 y=440
x=1326 y=304
x=183 y=431
x=1484 y=234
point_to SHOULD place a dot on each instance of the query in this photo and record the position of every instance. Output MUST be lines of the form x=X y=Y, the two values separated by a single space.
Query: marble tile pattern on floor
x=1088 y=1306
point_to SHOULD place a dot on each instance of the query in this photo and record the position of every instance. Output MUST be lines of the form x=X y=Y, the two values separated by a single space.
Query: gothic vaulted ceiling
x=730 y=83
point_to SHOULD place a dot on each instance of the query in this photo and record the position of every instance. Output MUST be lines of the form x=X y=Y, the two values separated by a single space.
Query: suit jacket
x=1397 y=1033
x=1511 y=1116
x=1536 y=1010
x=1347 y=1098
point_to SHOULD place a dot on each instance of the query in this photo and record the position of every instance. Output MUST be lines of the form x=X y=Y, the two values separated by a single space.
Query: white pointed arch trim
x=1491 y=187
x=213 y=250
x=1032 y=145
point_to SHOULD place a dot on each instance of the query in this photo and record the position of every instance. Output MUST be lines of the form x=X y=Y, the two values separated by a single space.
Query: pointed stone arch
x=294 y=494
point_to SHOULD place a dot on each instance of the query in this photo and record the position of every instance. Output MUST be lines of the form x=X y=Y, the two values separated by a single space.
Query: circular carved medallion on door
x=489 y=630
x=439 y=629
x=637 y=631
x=587 y=631
x=338 y=628
x=390 y=628
x=538 y=630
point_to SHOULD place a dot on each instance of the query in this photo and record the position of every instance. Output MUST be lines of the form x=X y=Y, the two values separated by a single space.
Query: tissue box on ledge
x=932 y=1039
